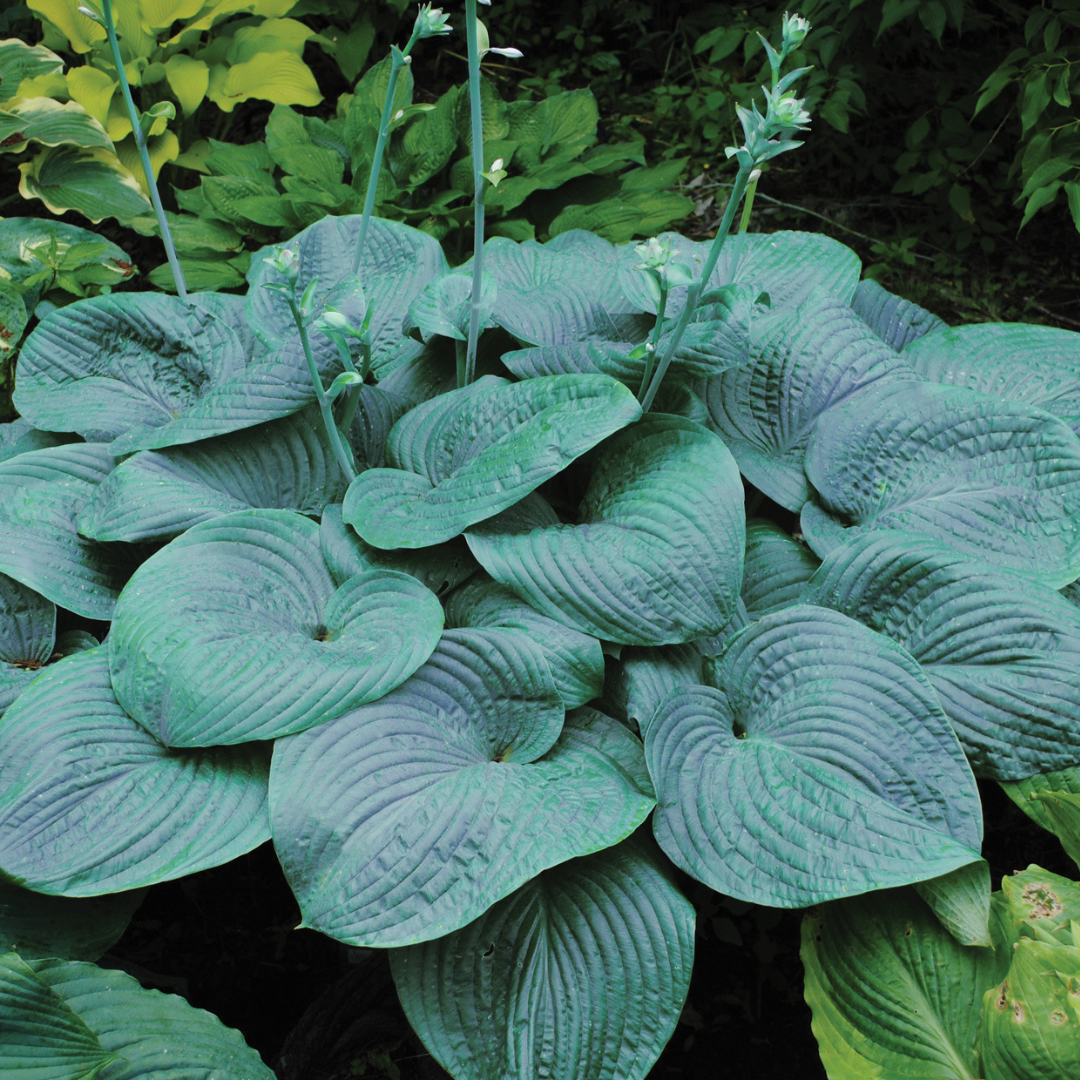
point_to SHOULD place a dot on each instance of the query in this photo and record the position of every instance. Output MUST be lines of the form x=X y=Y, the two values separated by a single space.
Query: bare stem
x=478 y=188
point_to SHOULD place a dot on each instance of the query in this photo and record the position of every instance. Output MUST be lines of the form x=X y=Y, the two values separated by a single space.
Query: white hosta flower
x=431 y=22
x=794 y=30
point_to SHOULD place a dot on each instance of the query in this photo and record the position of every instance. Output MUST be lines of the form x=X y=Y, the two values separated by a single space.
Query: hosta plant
x=490 y=649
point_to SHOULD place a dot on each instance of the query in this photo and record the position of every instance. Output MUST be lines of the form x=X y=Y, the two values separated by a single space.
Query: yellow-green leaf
x=273 y=35
x=161 y=14
x=80 y=31
x=162 y=148
x=188 y=79
x=281 y=77
x=93 y=90
x=90 y=180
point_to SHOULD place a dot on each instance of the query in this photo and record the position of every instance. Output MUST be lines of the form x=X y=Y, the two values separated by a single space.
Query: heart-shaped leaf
x=803 y=360
x=235 y=632
x=75 y=928
x=1001 y=651
x=65 y=1019
x=997 y=480
x=896 y=321
x=589 y=951
x=44 y=491
x=1039 y=365
x=408 y=818
x=287 y=464
x=107 y=365
x=397 y=263
x=658 y=556
x=90 y=803
x=27 y=637
x=887 y=949
x=822 y=767
x=575 y=659
x=441 y=568
x=464 y=456
x=777 y=568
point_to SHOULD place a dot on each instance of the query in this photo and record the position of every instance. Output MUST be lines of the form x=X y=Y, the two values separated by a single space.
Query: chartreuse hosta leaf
x=235 y=631
x=408 y=818
x=396 y=265
x=822 y=767
x=894 y=996
x=657 y=558
x=42 y=493
x=896 y=321
x=27 y=637
x=803 y=360
x=1053 y=800
x=1039 y=365
x=466 y=455
x=1001 y=650
x=777 y=568
x=65 y=1020
x=581 y=972
x=575 y=659
x=111 y=364
x=75 y=928
x=997 y=480
x=91 y=803
x=441 y=568
x=287 y=464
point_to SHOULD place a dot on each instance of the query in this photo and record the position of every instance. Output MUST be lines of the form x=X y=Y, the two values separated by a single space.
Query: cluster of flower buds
x=665 y=268
x=430 y=22
x=770 y=134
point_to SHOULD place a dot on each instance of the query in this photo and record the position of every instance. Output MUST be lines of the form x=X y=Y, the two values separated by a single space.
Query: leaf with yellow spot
x=281 y=77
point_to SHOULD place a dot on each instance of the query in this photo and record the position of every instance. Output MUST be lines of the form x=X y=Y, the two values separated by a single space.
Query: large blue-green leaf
x=464 y=456
x=397 y=263
x=803 y=360
x=107 y=365
x=996 y=480
x=1039 y=365
x=27 y=637
x=42 y=493
x=777 y=568
x=409 y=817
x=76 y=928
x=441 y=568
x=20 y=435
x=893 y=995
x=235 y=631
x=786 y=265
x=575 y=659
x=582 y=972
x=555 y=293
x=644 y=675
x=896 y=321
x=73 y=1021
x=287 y=464
x=822 y=767
x=717 y=338
x=445 y=306
x=657 y=558
x=1001 y=651
x=90 y=803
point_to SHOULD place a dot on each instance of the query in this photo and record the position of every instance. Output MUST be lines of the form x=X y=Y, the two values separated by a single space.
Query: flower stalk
x=105 y=19
x=429 y=23
x=477 y=129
